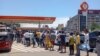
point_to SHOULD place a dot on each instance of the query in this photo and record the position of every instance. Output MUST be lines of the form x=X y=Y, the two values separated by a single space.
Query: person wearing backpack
x=71 y=44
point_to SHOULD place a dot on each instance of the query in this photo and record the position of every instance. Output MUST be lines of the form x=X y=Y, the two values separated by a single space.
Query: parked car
x=92 y=42
x=92 y=39
x=6 y=38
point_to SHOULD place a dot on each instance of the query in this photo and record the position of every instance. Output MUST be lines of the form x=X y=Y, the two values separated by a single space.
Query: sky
x=61 y=9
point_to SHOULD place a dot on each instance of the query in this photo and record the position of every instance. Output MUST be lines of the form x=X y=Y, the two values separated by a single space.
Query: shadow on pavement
x=3 y=52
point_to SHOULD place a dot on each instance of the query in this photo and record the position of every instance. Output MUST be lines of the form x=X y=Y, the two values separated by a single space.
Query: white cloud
x=59 y=21
x=62 y=20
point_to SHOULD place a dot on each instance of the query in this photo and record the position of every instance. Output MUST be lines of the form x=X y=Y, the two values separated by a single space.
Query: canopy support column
x=39 y=25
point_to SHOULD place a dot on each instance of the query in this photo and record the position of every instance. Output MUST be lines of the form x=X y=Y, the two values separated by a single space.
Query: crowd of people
x=48 y=39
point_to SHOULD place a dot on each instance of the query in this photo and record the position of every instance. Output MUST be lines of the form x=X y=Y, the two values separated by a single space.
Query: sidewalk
x=83 y=53
x=20 y=49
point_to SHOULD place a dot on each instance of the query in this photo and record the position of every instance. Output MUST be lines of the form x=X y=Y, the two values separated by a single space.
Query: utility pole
x=84 y=7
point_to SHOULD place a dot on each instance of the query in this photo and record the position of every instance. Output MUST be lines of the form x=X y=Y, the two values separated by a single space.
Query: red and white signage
x=84 y=6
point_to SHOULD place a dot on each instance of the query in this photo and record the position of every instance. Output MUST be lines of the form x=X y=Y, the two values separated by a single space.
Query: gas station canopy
x=27 y=19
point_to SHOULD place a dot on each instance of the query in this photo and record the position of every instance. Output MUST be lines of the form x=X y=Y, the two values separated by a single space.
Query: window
x=82 y=23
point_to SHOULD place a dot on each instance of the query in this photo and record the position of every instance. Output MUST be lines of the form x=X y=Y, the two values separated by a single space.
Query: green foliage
x=95 y=26
x=56 y=28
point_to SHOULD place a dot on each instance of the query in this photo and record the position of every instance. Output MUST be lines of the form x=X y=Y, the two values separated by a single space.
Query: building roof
x=73 y=18
x=90 y=11
x=27 y=19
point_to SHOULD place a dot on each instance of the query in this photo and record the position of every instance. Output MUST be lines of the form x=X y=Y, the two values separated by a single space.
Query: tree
x=94 y=26
x=56 y=28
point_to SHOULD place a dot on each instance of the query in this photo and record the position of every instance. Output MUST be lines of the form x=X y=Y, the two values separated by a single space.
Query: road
x=20 y=50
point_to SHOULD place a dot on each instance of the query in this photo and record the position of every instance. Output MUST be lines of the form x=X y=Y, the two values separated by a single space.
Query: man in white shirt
x=86 y=34
x=27 y=38
x=67 y=39
x=86 y=38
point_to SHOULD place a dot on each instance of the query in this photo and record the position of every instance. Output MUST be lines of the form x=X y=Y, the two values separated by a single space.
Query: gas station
x=27 y=19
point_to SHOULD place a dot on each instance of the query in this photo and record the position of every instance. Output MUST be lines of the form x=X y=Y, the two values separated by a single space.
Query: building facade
x=60 y=27
x=72 y=24
x=81 y=22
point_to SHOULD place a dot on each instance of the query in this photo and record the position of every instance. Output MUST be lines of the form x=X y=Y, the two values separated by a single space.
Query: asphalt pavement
x=20 y=50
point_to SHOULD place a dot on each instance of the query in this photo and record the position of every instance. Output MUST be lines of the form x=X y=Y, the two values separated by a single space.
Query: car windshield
x=3 y=38
x=4 y=30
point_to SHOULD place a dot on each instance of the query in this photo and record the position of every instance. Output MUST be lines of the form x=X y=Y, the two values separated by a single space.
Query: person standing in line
x=86 y=34
x=23 y=38
x=32 y=38
x=59 y=40
x=38 y=33
x=35 y=36
x=71 y=44
x=18 y=36
x=27 y=38
x=77 y=42
x=47 y=40
x=67 y=39
x=63 y=42
x=14 y=32
x=52 y=39
x=42 y=39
